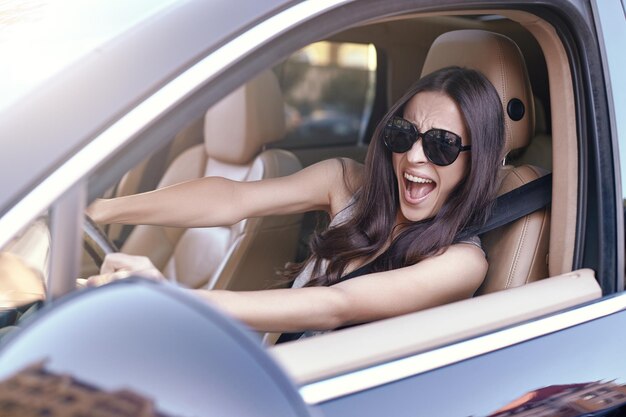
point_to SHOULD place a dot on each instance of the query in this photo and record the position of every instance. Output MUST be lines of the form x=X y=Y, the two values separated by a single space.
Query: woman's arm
x=216 y=201
x=451 y=276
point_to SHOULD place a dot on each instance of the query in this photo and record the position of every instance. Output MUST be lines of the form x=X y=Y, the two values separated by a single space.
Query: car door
x=586 y=233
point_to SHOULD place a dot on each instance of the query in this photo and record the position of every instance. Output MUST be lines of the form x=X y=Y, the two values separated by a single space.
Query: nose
x=416 y=154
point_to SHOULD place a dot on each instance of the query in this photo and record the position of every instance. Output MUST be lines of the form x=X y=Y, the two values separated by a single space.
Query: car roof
x=88 y=64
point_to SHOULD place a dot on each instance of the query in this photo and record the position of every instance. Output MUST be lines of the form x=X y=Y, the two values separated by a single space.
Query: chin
x=415 y=215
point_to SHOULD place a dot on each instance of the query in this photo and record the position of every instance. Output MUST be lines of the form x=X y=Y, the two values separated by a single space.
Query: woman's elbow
x=478 y=267
x=338 y=311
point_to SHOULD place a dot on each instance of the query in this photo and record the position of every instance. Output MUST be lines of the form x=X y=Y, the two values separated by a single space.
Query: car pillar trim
x=177 y=90
x=608 y=21
x=66 y=230
x=360 y=380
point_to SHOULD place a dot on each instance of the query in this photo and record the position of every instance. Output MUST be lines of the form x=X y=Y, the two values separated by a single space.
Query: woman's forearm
x=281 y=310
x=204 y=202
x=216 y=201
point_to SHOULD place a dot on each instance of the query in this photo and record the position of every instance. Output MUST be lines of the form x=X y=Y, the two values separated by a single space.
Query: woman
x=399 y=222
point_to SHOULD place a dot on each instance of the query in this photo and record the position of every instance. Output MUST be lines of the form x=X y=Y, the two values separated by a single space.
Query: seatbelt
x=519 y=202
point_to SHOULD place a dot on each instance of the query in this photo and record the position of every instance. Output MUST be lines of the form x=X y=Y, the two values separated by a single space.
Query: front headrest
x=501 y=61
x=237 y=127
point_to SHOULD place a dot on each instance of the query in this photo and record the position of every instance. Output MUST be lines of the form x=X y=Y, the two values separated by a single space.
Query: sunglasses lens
x=441 y=147
x=398 y=136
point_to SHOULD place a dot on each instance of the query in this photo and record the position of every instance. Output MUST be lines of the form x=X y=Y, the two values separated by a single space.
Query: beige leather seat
x=517 y=252
x=539 y=152
x=146 y=175
x=246 y=255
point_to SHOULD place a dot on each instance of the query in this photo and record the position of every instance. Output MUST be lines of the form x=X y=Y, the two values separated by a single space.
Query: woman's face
x=423 y=187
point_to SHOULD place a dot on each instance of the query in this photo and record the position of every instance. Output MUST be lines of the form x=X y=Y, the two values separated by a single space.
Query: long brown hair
x=376 y=203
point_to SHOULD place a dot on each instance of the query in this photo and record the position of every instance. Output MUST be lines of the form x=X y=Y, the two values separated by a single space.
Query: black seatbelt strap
x=519 y=202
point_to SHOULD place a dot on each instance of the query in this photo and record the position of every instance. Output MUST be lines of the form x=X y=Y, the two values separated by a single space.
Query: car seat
x=146 y=175
x=517 y=252
x=539 y=152
x=246 y=255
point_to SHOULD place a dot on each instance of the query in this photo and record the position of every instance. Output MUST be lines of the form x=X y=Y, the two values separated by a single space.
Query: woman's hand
x=120 y=265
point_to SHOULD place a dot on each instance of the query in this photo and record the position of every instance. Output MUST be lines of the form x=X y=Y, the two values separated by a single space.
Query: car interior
x=324 y=101
x=521 y=254
x=219 y=257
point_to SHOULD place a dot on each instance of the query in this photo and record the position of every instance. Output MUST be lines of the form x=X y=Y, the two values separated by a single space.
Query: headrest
x=237 y=127
x=501 y=61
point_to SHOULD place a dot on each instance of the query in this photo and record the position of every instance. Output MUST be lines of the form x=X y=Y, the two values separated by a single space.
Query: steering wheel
x=96 y=243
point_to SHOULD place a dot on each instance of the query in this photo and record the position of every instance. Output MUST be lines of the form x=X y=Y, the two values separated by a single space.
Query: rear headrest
x=501 y=61
x=237 y=127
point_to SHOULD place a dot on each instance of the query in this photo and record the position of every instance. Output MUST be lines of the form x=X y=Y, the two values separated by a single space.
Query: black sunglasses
x=440 y=146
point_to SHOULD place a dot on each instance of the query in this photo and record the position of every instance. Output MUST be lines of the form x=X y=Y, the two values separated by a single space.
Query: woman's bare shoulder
x=348 y=179
x=355 y=170
x=338 y=168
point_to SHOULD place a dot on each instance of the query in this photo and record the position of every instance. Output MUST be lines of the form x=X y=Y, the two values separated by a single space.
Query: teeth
x=417 y=179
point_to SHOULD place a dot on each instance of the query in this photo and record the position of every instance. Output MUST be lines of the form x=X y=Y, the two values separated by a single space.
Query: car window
x=23 y=273
x=328 y=89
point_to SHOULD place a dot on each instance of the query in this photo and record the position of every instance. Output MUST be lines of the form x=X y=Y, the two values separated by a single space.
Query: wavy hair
x=376 y=203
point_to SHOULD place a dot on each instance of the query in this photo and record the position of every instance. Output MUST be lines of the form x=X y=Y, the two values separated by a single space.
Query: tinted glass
x=328 y=88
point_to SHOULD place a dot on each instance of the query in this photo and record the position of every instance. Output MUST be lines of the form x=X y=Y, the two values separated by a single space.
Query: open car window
x=339 y=76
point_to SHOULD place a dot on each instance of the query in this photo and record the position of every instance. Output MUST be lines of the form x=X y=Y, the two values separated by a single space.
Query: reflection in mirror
x=568 y=400
x=35 y=389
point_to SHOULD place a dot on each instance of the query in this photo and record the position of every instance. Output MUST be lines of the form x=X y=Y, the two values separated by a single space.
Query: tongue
x=417 y=190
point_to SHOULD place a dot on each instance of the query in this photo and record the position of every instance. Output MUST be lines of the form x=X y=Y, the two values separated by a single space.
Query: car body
x=91 y=98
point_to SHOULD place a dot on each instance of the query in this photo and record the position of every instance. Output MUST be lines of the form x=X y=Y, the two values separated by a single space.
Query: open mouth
x=417 y=188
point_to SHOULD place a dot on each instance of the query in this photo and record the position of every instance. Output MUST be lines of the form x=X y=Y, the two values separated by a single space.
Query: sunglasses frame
x=398 y=123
